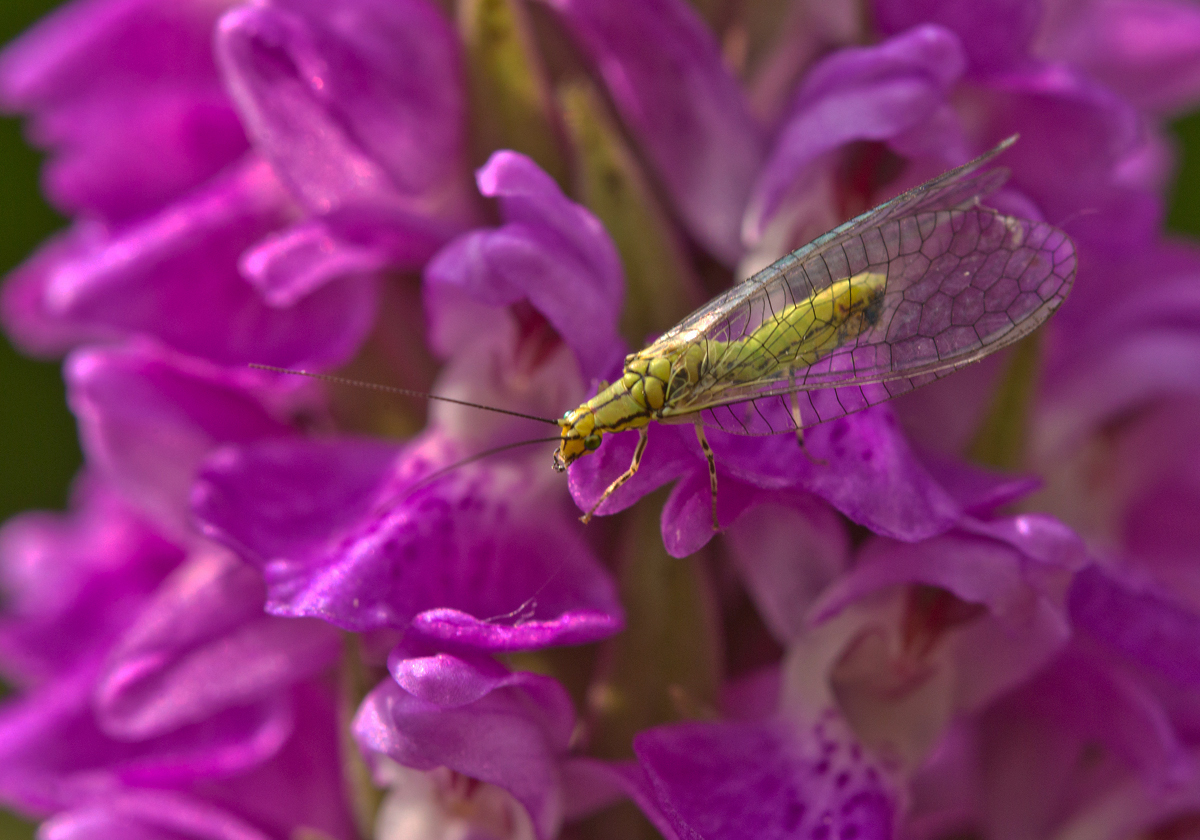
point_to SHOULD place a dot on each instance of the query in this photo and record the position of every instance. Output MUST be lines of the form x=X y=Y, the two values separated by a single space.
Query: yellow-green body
x=671 y=381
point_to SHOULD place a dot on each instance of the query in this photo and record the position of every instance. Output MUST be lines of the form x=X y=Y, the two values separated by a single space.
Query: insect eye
x=591 y=443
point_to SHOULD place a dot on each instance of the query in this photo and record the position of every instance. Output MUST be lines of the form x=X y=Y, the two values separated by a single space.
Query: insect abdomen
x=802 y=333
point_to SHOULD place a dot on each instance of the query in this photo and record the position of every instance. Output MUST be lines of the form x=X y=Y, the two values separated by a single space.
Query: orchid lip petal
x=364 y=557
x=728 y=780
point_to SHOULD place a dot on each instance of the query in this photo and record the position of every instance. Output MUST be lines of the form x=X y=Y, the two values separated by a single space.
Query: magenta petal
x=1144 y=625
x=134 y=151
x=53 y=756
x=72 y=582
x=202 y=645
x=1019 y=581
x=300 y=787
x=147 y=418
x=996 y=33
x=389 y=75
x=512 y=632
x=687 y=516
x=729 y=781
x=1148 y=52
x=977 y=490
x=1156 y=466
x=550 y=251
x=297 y=789
x=863 y=93
x=1056 y=107
x=669 y=454
x=873 y=477
x=148 y=815
x=339 y=479
x=1139 y=368
x=288 y=266
x=175 y=276
x=975 y=569
x=107 y=41
x=681 y=103
x=447 y=680
x=591 y=784
x=1038 y=536
x=456 y=681
x=359 y=111
x=512 y=736
x=226 y=743
x=861 y=464
x=927 y=53
x=125 y=95
x=464 y=559
x=1124 y=345
x=30 y=322
x=1032 y=739
x=787 y=554
x=1110 y=307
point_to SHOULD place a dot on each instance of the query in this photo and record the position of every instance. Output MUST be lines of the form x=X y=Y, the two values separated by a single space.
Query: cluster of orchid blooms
x=265 y=618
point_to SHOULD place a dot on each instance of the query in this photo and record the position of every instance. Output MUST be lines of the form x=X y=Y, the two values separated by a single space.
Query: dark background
x=38 y=449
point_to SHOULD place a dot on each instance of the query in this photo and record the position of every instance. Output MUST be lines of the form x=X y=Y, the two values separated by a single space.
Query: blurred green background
x=1184 y=214
x=38 y=449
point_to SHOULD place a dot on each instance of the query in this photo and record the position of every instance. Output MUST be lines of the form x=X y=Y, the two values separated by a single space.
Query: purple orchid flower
x=765 y=779
x=900 y=644
x=295 y=789
x=166 y=616
x=54 y=580
x=148 y=62
x=468 y=715
x=136 y=402
x=876 y=669
x=143 y=696
x=246 y=279
x=478 y=556
x=465 y=559
x=361 y=115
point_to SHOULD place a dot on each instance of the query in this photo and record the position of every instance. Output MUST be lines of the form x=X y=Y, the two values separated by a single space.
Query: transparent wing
x=774 y=414
x=958 y=188
x=961 y=282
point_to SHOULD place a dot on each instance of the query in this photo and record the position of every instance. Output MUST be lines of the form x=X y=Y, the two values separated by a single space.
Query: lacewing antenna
x=391 y=389
x=438 y=473
x=478 y=456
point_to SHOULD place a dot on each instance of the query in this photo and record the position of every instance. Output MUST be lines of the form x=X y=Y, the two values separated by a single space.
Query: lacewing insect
x=902 y=295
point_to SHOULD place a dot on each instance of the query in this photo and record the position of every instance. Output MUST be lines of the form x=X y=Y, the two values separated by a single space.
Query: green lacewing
x=900 y=296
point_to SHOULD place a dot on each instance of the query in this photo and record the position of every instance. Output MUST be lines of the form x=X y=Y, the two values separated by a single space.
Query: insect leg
x=799 y=421
x=795 y=401
x=712 y=473
x=623 y=477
